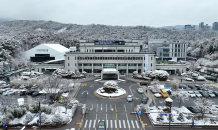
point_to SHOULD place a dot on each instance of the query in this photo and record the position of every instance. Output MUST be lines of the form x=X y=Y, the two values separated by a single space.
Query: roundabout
x=110 y=91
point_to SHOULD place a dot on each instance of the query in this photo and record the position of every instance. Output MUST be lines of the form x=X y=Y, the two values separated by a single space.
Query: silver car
x=129 y=98
x=198 y=94
x=140 y=90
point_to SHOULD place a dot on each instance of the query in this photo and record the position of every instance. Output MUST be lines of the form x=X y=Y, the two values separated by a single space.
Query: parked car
x=211 y=78
x=216 y=93
x=198 y=94
x=189 y=79
x=36 y=94
x=211 y=94
x=198 y=87
x=191 y=86
x=204 y=94
x=5 y=93
x=22 y=93
x=143 y=83
x=144 y=100
x=191 y=94
x=182 y=86
x=193 y=110
x=129 y=98
x=29 y=92
x=140 y=90
x=101 y=125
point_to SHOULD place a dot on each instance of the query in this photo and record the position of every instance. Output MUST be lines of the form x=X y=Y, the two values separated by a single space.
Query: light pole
x=39 y=116
x=169 y=103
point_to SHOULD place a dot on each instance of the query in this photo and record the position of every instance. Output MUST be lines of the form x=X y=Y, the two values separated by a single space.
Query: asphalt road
x=115 y=112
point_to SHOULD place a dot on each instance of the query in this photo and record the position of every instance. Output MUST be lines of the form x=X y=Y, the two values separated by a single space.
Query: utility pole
x=39 y=116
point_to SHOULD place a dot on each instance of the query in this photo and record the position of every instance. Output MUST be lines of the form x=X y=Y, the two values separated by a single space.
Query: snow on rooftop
x=57 y=47
x=55 y=60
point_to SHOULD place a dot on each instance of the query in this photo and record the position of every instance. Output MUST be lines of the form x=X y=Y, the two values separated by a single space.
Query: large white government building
x=93 y=57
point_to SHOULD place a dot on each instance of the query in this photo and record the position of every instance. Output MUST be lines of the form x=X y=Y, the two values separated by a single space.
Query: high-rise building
x=201 y=25
x=207 y=27
x=215 y=26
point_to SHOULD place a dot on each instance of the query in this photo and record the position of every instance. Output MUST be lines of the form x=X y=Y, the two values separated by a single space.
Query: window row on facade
x=109 y=64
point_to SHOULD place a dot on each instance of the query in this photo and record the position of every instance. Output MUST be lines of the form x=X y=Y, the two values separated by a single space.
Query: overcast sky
x=154 y=13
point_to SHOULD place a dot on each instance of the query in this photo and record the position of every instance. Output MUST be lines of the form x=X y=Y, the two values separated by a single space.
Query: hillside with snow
x=18 y=36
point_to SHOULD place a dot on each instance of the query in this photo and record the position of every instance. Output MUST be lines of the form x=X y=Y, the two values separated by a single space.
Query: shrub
x=46 y=109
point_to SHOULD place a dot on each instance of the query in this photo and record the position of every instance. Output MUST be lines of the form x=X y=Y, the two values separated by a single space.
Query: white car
x=191 y=94
x=211 y=94
x=189 y=79
x=157 y=95
x=129 y=98
x=184 y=74
x=198 y=94
x=140 y=90
x=5 y=93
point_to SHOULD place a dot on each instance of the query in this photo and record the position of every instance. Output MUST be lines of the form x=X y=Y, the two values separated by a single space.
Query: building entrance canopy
x=109 y=74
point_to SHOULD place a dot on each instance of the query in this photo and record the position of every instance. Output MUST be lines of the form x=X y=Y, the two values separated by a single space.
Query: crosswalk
x=130 y=124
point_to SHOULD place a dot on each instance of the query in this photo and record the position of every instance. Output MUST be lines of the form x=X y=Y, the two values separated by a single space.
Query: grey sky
x=155 y=13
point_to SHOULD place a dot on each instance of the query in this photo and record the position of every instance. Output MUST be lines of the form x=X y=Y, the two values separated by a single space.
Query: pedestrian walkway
x=110 y=124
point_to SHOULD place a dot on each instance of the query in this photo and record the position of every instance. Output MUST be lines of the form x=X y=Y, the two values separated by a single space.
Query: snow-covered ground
x=187 y=117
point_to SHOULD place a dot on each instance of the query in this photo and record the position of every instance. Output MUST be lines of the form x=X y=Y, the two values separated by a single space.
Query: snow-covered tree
x=53 y=86
x=57 y=118
x=175 y=84
x=111 y=84
x=203 y=104
x=179 y=96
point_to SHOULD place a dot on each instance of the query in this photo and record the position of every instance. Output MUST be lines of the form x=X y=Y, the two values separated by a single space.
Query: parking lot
x=190 y=101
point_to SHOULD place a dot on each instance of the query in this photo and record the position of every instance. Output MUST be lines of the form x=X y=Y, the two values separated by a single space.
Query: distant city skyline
x=154 y=13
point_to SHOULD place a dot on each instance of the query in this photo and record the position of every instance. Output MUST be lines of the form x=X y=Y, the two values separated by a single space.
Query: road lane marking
x=128 y=123
x=86 y=123
x=77 y=92
x=107 y=124
x=124 y=125
x=115 y=108
x=133 y=126
x=111 y=124
x=120 y=124
x=115 y=123
x=136 y=122
x=90 y=123
x=106 y=107
x=97 y=108
x=116 y=116
x=94 y=123
x=125 y=108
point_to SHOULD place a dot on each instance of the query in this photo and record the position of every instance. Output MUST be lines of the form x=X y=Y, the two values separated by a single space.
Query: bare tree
x=53 y=86
x=179 y=96
x=203 y=104
x=30 y=65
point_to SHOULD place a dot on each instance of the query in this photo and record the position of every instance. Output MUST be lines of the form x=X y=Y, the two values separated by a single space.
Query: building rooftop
x=57 y=47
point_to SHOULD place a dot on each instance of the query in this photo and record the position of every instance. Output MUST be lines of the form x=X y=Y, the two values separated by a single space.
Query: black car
x=216 y=93
x=143 y=83
x=191 y=86
x=144 y=100
x=1 y=92
x=169 y=92
x=193 y=110
x=198 y=87
x=30 y=92
x=36 y=94
x=204 y=94
x=182 y=86
x=22 y=93
x=101 y=125
x=211 y=78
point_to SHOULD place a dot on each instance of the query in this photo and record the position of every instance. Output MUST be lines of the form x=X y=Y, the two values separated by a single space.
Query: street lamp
x=169 y=103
